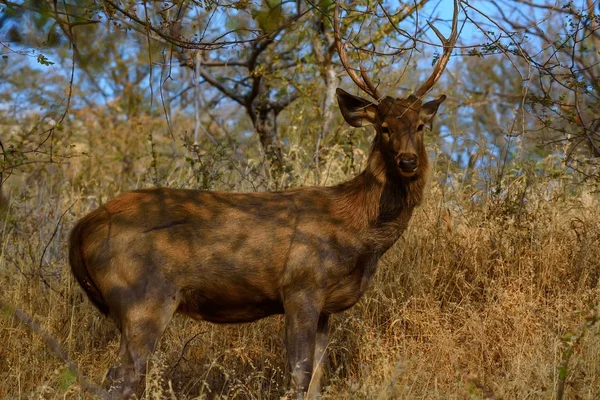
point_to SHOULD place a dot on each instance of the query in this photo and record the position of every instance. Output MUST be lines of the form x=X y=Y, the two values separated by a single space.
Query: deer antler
x=445 y=57
x=363 y=81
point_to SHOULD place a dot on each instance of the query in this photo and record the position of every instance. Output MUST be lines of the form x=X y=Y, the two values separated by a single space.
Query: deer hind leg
x=142 y=324
x=320 y=357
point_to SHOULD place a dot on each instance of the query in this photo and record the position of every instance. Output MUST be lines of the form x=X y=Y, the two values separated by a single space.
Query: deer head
x=399 y=122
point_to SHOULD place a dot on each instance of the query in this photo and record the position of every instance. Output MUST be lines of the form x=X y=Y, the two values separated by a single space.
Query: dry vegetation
x=485 y=296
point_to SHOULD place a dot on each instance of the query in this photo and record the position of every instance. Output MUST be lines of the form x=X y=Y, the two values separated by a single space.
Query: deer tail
x=80 y=270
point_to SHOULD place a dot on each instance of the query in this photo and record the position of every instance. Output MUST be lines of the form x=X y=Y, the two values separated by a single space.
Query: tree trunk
x=331 y=82
x=330 y=78
x=265 y=123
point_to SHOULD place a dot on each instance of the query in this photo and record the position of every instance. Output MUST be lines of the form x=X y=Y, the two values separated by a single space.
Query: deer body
x=238 y=257
x=229 y=256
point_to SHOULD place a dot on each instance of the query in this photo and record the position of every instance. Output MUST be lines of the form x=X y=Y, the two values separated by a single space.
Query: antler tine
x=368 y=82
x=363 y=81
x=445 y=57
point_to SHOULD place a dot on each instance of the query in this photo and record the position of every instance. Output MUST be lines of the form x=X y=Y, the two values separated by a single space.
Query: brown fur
x=238 y=257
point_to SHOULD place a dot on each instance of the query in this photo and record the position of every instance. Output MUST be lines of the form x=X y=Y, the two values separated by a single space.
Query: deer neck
x=379 y=201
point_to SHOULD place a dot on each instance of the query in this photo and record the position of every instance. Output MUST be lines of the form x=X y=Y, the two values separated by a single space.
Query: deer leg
x=301 y=320
x=142 y=325
x=320 y=358
x=116 y=374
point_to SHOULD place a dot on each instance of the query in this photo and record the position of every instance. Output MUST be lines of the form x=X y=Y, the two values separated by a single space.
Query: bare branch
x=222 y=88
x=209 y=44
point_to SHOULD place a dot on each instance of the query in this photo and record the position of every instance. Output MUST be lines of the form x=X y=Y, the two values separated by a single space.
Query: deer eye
x=385 y=130
x=420 y=127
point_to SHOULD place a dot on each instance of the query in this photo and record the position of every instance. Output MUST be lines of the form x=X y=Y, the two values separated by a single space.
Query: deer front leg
x=301 y=319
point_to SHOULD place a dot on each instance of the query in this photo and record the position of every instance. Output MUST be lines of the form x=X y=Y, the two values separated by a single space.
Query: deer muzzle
x=408 y=164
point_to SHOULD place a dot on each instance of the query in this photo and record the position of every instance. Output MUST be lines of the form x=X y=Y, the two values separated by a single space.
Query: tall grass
x=489 y=294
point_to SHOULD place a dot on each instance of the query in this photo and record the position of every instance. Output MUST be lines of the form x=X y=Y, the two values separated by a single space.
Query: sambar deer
x=238 y=257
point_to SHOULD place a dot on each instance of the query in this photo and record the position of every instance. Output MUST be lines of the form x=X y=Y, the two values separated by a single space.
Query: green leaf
x=41 y=59
x=562 y=372
x=67 y=379
x=269 y=17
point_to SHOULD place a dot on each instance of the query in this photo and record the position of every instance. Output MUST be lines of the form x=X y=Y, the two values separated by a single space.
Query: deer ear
x=429 y=110
x=356 y=110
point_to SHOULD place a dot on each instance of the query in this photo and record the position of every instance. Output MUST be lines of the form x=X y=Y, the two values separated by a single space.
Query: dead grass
x=483 y=297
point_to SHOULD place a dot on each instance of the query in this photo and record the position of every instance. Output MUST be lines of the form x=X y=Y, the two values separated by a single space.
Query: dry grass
x=483 y=297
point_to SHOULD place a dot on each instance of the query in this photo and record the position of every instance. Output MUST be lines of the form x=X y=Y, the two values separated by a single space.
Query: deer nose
x=408 y=163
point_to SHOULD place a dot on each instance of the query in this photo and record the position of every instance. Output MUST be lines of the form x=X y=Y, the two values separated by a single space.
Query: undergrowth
x=489 y=293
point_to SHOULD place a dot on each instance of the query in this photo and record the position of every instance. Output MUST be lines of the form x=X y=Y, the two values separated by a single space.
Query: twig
x=182 y=355
x=48 y=245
